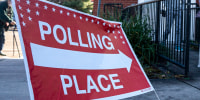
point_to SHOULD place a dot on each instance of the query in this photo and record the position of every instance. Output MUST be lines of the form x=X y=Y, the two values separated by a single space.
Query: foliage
x=138 y=32
x=81 y=5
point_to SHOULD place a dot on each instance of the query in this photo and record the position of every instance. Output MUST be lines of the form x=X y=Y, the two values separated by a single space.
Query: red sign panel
x=70 y=55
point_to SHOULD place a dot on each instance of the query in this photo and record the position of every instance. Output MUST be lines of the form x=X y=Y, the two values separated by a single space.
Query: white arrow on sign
x=67 y=59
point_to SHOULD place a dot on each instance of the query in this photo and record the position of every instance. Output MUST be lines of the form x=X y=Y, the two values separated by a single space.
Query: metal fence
x=174 y=32
x=174 y=28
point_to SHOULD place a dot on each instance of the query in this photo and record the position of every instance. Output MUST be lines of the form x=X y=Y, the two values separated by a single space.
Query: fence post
x=157 y=30
x=187 y=38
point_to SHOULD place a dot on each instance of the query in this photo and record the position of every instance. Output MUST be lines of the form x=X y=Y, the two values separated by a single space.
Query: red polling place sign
x=70 y=55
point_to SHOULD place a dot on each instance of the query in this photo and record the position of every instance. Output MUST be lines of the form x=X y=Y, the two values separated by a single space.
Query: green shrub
x=139 y=32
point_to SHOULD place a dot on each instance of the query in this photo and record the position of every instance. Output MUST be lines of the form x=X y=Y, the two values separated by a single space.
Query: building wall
x=124 y=2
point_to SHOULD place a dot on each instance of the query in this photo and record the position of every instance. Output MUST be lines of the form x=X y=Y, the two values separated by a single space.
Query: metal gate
x=173 y=27
x=174 y=32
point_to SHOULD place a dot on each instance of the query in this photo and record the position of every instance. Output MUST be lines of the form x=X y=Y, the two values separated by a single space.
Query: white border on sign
x=126 y=95
x=23 y=51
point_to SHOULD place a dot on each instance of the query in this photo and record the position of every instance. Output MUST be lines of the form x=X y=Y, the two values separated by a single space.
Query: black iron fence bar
x=187 y=38
x=157 y=24
x=172 y=61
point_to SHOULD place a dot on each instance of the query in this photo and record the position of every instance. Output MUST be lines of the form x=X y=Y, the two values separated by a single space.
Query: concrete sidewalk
x=10 y=46
x=13 y=85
